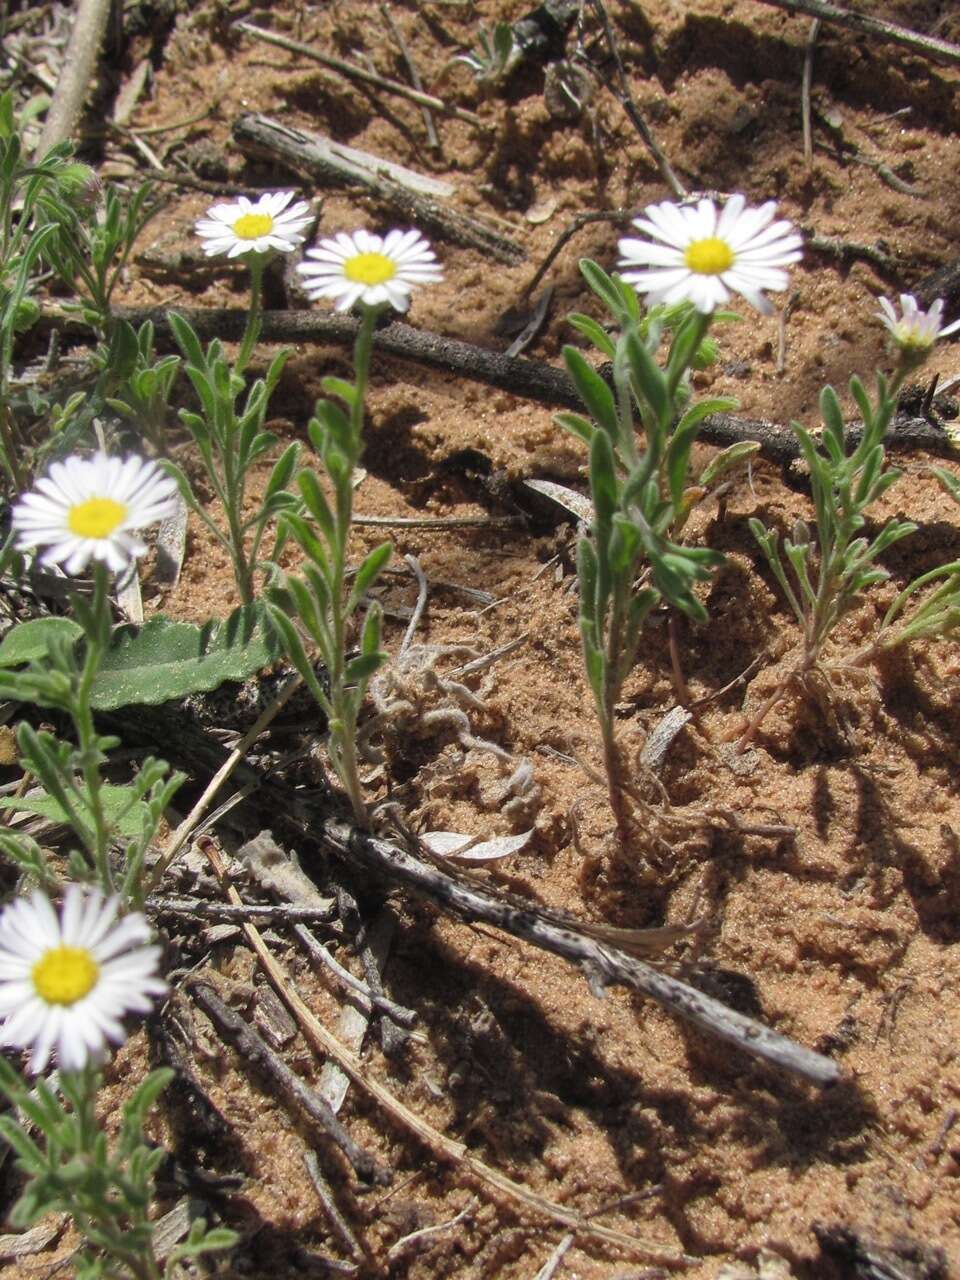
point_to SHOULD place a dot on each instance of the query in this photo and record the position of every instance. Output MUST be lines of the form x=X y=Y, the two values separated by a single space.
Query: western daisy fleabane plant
x=255 y=226
x=67 y=982
x=702 y=254
x=374 y=270
x=915 y=330
x=87 y=509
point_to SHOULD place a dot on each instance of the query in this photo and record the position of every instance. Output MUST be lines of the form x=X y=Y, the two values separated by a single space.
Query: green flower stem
x=612 y=683
x=89 y=752
x=343 y=723
x=251 y=333
x=10 y=451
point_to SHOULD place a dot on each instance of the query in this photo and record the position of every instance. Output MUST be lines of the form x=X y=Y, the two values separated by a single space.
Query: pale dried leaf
x=574 y=502
x=171 y=545
x=454 y=844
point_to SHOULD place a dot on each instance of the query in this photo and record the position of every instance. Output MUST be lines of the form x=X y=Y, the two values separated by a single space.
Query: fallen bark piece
x=411 y=195
x=323 y=157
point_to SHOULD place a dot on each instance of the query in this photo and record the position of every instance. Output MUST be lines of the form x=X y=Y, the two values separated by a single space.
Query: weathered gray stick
x=79 y=61
x=471 y=901
x=330 y=160
x=411 y=195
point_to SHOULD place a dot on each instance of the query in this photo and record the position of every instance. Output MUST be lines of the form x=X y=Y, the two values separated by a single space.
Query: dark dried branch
x=530 y=379
x=285 y=1083
x=943 y=283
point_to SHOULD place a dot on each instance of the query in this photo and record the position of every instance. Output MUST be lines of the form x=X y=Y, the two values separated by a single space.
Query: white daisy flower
x=85 y=508
x=915 y=330
x=702 y=254
x=255 y=226
x=66 y=983
x=370 y=269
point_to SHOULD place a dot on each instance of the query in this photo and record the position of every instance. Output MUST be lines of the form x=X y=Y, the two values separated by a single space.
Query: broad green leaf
x=164 y=659
x=28 y=641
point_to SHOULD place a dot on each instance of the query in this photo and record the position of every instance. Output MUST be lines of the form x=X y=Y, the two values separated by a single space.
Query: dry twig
x=928 y=46
x=284 y=1083
x=622 y=92
x=360 y=73
x=805 y=91
x=432 y=140
x=472 y=900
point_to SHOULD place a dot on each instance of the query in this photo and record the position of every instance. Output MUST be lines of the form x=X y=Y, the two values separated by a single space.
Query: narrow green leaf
x=186 y=339
x=579 y=426
x=832 y=420
x=372 y=629
x=648 y=378
x=347 y=391
x=594 y=332
x=368 y=573
x=360 y=669
x=316 y=503
x=603 y=480
x=593 y=391
x=726 y=460
x=603 y=286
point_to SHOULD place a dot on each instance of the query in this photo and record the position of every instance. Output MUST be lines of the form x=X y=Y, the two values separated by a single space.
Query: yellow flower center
x=249 y=226
x=369 y=268
x=64 y=975
x=96 y=518
x=709 y=257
